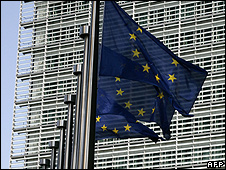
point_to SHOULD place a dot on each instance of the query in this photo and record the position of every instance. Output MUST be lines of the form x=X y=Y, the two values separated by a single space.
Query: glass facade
x=49 y=46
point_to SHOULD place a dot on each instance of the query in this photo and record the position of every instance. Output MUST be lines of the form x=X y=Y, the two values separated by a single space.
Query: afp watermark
x=215 y=164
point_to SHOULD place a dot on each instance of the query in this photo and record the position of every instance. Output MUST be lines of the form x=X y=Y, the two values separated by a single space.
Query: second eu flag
x=140 y=80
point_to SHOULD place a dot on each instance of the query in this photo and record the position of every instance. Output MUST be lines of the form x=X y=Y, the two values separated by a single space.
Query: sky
x=9 y=42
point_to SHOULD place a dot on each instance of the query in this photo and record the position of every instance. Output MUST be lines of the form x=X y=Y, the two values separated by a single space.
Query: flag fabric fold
x=113 y=121
x=142 y=78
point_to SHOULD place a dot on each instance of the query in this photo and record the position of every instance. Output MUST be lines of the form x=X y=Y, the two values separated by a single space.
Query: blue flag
x=140 y=80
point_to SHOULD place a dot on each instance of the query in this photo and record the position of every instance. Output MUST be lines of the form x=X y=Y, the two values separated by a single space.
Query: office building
x=49 y=46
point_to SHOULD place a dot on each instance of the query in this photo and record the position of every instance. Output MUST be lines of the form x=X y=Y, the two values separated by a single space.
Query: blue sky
x=9 y=41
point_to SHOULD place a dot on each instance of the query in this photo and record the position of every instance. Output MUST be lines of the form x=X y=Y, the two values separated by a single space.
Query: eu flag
x=140 y=80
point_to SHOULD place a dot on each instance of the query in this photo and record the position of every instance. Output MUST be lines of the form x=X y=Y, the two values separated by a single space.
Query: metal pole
x=91 y=104
x=76 y=136
x=70 y=100
x=44 y=163
x=61 y=124
x=83 y=103
x=88 y=104
x=53 y=145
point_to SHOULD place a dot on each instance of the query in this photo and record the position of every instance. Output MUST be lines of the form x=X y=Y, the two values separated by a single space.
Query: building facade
x=49 y=46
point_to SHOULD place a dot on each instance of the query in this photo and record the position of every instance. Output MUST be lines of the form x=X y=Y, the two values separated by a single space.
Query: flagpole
x=70 y=100
x=94 y=47
x=88 y=93
x=84 y=33
x=61 y=124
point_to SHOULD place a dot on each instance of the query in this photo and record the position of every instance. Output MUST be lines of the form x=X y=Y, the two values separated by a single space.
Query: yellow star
x=141 y=112
x=146 y=68
x=174 y=62
x=160 y=95
x=119 y=91
x=115 y=131
x=117 y=79
x=98 y=119
x=128 y=104
x=172 y=78
x=157 y=78
x=127 y=127
x=104 y=127
x=132 y=36
x=153 y=110
x=139 y=29
x=136 y=53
